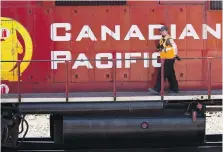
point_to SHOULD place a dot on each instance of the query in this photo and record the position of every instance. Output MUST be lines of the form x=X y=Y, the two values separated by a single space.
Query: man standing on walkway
x=168 y=51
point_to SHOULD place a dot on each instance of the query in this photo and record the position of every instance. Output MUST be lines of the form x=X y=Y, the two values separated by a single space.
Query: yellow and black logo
x=11 y=48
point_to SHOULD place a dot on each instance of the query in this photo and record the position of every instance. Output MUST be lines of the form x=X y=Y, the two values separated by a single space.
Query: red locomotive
x=104 y=52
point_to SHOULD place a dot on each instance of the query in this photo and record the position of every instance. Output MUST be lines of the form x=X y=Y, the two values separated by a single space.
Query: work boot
x=153 y=91
x=173 y=91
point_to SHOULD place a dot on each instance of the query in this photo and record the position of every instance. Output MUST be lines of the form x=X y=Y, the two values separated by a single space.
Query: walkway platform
x=108 y=96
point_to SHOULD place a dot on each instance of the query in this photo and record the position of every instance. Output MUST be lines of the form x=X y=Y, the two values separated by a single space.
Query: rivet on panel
x=125 y=75
x=107 y=76
x=29 y=12
x=76 y=76
x=48 y=77
x=125 y=10
x=181 y=74
x=106 y=10
x=181 y=10
x=75 y=11
x=47 y=11
x=153 y=10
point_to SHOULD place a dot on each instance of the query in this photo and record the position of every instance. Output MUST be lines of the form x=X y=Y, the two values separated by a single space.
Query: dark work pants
x=169 y=73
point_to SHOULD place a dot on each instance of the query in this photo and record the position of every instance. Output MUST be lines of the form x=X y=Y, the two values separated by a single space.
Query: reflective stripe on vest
x=168 y=49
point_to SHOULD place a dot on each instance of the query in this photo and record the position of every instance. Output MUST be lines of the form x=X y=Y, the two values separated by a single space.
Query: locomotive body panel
x=47 y=32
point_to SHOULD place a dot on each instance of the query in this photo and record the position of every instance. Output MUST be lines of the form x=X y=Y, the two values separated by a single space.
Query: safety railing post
x=19 y=94
x=209 y=78
x=66 y=81
x=162 y=79
x=114 y=76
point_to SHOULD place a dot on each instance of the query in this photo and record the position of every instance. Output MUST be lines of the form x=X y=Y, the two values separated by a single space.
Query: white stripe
x=192 y=97
x=138 y=98
x=109 y=99
x=43 y=99
x=168 y=49
x=90 y=99
x=174 y=46
x=213 y=106
x=217 y=96
x=9 y=100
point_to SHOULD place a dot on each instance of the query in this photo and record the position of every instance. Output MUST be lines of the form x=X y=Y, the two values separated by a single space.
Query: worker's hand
x=177 y=57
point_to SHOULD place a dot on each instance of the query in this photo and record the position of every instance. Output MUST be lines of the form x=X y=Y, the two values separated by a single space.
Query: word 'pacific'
x=133 y=32
x=82 y=60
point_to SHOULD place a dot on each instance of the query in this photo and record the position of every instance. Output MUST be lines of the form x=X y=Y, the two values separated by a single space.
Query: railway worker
x=168 y=51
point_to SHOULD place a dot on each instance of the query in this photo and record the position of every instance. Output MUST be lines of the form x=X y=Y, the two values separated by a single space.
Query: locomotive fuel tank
x=161 y=129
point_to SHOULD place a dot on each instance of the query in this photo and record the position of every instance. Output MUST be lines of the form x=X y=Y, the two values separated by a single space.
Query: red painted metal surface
x=37 y=18
x=67 y=90
x=114 y=75
x=209 y=78
x=19 y=94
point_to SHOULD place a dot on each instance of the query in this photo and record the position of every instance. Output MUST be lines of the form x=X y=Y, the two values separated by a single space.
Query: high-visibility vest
x=167 y=51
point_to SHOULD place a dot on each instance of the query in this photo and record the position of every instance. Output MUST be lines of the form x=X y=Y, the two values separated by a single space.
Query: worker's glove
x=160 y=47
x=177 y=58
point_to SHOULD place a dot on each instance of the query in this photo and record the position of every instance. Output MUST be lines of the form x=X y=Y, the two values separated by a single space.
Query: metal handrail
x=114 y=60
x=90 y=59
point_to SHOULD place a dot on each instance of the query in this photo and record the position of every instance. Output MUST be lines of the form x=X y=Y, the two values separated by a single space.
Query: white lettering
x=152 y=36
x=105 y=30
x=173 y=31
x=104 y=55
x=86 y=32
x=119 y=61
x=189 y=31
x=134 y=28
x=128 y=57
x=59 y=55
x=154 y=62
x=53 y=31
x=133 y=32
x=82 y=60
x=216 y=33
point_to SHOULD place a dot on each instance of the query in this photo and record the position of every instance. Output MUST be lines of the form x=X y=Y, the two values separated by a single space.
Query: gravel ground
x=39 y=125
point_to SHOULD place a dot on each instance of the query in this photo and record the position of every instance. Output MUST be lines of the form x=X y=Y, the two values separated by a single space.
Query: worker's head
x=164 y=30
